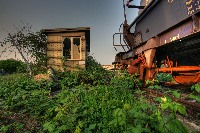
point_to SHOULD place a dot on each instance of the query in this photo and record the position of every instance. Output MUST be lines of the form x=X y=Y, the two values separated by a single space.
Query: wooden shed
x=67 y=47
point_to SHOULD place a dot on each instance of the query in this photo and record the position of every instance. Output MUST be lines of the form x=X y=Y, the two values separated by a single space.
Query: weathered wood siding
x=55 y=51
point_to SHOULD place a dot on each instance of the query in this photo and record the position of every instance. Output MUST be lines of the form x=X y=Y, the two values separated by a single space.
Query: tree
x=30 y=45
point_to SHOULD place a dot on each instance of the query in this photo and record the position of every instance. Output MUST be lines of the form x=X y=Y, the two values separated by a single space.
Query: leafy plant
x=29 y=45
x=173 y=106
x=196 y=88
x=12 y=66
x=95 y=74
x=170 y=123
x=174 y=93
x=155 y=87
x=5 y=128
x=123 y=81
x=88 y=101
x=197 y=98
x=164 y=77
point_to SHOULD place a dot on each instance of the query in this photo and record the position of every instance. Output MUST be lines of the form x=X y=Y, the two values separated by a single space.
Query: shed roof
x=61 y=30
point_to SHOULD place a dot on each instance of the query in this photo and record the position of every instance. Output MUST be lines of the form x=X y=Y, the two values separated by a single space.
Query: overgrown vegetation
x=12 y=66
x=30 y=45
x=196 y=88
x=92 y=100
x=164 y=77
x=196 y=92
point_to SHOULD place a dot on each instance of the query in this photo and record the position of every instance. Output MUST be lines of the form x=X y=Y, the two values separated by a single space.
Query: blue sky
x=102 y=16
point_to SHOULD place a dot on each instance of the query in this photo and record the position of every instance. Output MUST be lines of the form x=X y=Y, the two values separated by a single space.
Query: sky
x=102 y=16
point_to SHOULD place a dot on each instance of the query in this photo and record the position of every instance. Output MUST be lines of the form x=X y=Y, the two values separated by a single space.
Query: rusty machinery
x=163 y=38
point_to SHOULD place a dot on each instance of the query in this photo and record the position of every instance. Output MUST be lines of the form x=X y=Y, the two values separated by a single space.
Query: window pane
x=67 y=48
x=76 y=41
x=76 y=48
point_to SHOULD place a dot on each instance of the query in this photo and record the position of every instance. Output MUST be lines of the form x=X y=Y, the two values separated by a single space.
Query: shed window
x=67 y=48
x=72 y=47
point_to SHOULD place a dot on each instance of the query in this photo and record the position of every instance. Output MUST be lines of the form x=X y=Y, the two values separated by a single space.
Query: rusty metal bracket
x=143 y=59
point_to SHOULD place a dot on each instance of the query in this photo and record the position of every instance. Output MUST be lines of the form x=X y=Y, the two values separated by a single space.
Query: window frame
x=71 y=51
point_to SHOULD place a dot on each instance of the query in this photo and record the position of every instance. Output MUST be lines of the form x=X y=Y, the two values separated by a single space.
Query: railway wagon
x=163 y=38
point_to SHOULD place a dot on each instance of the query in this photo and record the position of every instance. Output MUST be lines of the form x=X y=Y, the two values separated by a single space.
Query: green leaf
x=181 y=109
x=113 y=123
x=196 y=87
x=169 y=99
x=195 y=97
x=49 y=126
x=176 y=94
x=91 y=127
x=170 y=124
x=23 y=97
x=137 y=129
x=105 y=130
x=158 y=99
x=117 y=112
x=5 y=128
x=164 y=106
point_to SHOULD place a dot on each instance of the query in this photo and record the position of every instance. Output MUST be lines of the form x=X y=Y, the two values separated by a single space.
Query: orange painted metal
x=183 y=74
x=132 y=69
x=137 y=65
x=179 y=69
x=187 y=79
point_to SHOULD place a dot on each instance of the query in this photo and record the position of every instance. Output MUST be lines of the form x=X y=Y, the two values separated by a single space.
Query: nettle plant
x=196 y=88
x=170 y=123
x=196 y=92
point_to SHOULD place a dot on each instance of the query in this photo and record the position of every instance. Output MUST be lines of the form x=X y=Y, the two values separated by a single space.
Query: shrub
x=196 y=88
x=164 y=77
x=94 y=74
x=92 y=100
x=12 y=66
x=123 y=81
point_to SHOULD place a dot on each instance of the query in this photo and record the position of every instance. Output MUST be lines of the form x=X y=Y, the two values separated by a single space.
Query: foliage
x=124 y=80
x=85 y=108
x=95 y=74
x=92 y=64
x=196 y=88
x=31 y=45
x=24 y=94
x=170 y=123
x=153 y=84
x=164 y=77
x=155 y=87
x=173 y=106
x=12 y=66
x=14 y=127
x=197 y=98
x=82 y=104
x=174 y=93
